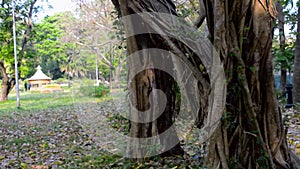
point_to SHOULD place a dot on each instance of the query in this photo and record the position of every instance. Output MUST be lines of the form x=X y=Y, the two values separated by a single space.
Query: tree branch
x=99 y=45
x=27 y=32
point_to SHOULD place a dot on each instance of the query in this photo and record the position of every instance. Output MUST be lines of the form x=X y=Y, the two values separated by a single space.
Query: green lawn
x=39 y=101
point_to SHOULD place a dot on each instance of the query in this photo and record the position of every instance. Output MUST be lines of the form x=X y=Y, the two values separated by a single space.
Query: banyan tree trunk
x=251 y=134
x=141 y=85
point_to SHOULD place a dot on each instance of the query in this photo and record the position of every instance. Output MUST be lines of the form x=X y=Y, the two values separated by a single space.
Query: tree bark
x=7 y=83
x=119 y=70
x=251 y=134
x=296 y=76
x=144 y=82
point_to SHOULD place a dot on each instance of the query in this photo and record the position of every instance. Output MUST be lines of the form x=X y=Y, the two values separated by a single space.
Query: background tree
x=251 y=133
x=49 y=46
x=24 y=15
x=94 y=32
x=296 y=77
x=283 y=50
x=283 y=71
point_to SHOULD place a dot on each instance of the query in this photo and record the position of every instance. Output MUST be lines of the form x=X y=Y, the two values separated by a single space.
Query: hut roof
x=39 y=75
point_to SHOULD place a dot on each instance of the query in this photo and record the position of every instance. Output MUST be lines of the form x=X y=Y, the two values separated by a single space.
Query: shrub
x=94 y=91
x=61 y=80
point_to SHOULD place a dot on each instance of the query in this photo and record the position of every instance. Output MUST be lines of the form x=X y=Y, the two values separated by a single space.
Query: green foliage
x=290 y=14
x=6 y=34
x=62 y=43
x=94 y=91
x=285 y=58
x=51 y=50
x=100 y=91
x=61 y=80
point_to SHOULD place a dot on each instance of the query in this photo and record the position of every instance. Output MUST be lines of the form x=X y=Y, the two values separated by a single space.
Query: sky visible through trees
x=57 y=6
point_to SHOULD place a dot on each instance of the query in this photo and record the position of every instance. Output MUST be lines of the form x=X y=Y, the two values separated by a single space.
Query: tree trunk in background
x=296 y=76
x=7 y=83
x=283 y=76
x=283 y=72
x=119 y=70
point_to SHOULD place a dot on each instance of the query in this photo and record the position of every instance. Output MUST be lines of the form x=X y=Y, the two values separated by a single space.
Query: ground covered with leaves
x=78 y=137
x=292 y=123
x=59 y=138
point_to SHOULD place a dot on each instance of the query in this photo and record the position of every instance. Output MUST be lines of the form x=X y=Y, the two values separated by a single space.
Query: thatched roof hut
x=39 y=78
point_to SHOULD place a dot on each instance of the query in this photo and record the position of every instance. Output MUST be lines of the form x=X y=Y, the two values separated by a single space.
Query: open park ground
x=49 y=131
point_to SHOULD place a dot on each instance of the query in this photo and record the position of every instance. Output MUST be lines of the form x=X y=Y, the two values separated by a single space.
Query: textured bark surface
x=142 y=83
x=7 y=83
x=252 y=133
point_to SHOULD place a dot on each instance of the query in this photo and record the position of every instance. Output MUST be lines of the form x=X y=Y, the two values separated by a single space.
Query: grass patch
x=40 y=101
x=94 y=91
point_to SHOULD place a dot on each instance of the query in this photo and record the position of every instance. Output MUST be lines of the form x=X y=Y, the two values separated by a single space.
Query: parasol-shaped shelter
x=39 y=78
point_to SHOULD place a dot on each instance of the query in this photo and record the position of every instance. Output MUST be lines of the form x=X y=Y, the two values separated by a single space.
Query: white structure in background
x=39 y=79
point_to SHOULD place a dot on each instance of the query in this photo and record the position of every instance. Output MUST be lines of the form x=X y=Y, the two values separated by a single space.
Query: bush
x=61 y=80
x=94 y=91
